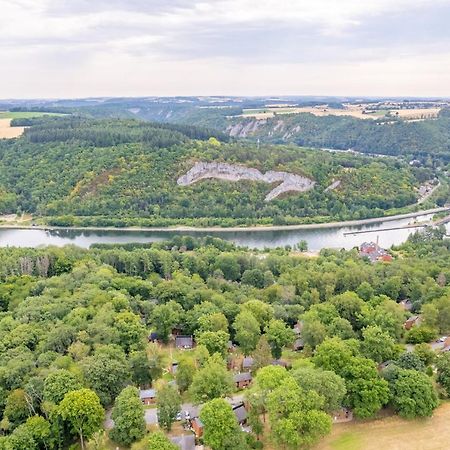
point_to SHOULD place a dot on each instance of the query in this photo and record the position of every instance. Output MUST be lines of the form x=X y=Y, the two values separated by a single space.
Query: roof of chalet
x=247 y=362
x=147 y=393
x=184 y=341
x=185 y=442
x=240 y=412
x=244 y=376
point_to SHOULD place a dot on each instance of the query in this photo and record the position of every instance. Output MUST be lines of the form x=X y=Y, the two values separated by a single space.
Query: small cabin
x=184 y=342
x=243 y=380
x=147 y=396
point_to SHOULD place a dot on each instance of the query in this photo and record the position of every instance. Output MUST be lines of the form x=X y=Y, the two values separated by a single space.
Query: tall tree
x=83 y=412
x=211 y=381
x=168 y=402
x=128 y=416
x=220 y=425
x=247 y=331
x=262 y=356
x=278 y=335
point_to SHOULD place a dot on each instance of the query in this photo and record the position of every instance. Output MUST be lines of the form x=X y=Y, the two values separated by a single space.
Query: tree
x=377 y=344
x=417 y=335
x=351 y=307
x=295 y=417
x=128 y=416
x=333 y=354
x=313 y=333
x=58 y=384
x=168 y=401
x=425 y=353
x=158 y=441
x=443 y=371
x=409 y=360
x=253 y=277
x=228 y=264
x=131 y=330
x=214 y=341
x=278 y=336
x=219 y=424
x=413 y=394
x=16 y=408
x=140 y=368
x=262 y=355
x=247 y=331
x=262 y=312
x=82 y=410
x=211 y=381
x=213 y=322
x=107 y=373
x=185 y=373
x=325 y=382
x=367 y=393
x=165 y=317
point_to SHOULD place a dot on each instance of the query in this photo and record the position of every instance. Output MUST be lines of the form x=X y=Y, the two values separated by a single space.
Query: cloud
x=142 y=37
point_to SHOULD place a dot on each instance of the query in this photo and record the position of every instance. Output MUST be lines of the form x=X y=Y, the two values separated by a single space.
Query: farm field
x=392 y=433
x=357 y=111
x=7 y=131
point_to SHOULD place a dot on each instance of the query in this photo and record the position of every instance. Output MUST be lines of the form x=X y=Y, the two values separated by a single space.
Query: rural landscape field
x=224 y=225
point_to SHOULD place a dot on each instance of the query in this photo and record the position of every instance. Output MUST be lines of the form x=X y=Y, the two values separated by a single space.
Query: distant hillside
x=120 y=172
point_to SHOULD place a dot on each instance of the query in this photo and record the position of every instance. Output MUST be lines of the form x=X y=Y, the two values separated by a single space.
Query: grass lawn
x=25 y=114
x=392 y=433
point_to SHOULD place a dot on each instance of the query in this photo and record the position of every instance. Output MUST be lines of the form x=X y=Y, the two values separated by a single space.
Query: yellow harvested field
x=357 y=111
x=7 y=131
x=392 y=433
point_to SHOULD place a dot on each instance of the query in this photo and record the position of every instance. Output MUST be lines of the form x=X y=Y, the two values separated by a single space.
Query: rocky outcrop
x=232 y=172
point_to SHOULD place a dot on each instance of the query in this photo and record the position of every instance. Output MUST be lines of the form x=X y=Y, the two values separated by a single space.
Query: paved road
x=151 y=414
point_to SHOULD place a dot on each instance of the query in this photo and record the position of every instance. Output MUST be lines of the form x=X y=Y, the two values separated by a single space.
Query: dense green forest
x=73 y=170
x=74 y=325
x=418 y=139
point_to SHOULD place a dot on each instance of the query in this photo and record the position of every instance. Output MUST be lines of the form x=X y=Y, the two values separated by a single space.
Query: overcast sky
x=80 y=48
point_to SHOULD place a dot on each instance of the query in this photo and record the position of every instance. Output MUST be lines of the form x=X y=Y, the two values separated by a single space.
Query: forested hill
x=73 y=170
x=397 y=137
x=385 y=135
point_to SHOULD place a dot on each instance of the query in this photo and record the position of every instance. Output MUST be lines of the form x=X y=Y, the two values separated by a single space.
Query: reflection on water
x=316 y=238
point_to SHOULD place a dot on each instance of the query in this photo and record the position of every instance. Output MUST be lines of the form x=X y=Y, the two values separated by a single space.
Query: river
x=333 y=237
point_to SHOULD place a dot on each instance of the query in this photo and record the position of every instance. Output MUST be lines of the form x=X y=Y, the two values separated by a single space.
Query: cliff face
x=230 y=172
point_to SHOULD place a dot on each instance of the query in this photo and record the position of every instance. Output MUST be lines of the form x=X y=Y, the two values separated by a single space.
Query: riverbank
x=262 y=228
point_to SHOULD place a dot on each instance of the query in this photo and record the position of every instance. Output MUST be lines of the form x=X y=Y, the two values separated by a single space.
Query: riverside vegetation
x=74 y=326
x=108 y=172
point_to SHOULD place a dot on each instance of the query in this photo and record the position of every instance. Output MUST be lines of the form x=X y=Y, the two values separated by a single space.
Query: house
x=197 y=427
x=231 y=347
x=412 y=322
x=298 y=327
x=241 y=413
x=147 y=396
x=384 y=365
x=184 y=442
x=406 y=304
x=247 y=363
x=374 y=252
x=243 y=380
x=153 y=337
x=184 y=342
x=177 y=330
x=299 y=344
x=280 y=362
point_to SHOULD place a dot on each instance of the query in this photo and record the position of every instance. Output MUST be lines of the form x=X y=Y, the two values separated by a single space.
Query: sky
x=93 y=48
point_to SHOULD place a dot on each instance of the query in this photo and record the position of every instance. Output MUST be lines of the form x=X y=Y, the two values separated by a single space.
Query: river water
x=316 y=238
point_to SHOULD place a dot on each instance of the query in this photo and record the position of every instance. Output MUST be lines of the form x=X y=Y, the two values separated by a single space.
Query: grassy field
x=25 y=114
x=392 y=433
